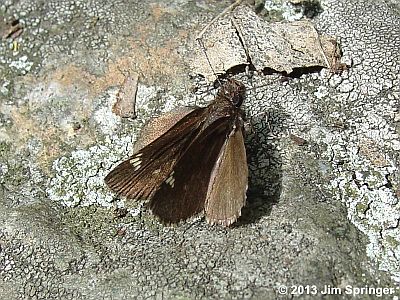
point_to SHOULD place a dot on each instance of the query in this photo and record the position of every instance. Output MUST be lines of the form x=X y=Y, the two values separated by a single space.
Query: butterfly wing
x=226 y=193
x=157 y=126
x=184 y=191
x=141 y=175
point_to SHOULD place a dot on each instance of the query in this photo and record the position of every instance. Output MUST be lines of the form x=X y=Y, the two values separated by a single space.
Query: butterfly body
x=197 y=164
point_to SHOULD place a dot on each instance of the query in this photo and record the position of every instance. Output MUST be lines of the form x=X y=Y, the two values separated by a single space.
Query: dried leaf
x=244 y=38
x=126 y=98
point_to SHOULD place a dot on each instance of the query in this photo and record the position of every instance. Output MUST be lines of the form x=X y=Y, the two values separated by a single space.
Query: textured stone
x=324 y=213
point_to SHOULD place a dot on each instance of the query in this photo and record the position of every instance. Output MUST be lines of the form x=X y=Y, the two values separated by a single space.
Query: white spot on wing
x=136 y=161
x=171 y=180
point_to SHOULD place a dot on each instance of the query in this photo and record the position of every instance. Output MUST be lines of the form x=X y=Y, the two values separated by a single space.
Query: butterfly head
x=234 y=91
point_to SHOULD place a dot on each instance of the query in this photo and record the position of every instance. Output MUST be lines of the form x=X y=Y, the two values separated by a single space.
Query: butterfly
x=196 y=163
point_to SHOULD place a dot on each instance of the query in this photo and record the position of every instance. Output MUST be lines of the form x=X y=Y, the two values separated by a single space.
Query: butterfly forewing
x=157 y=126
x=226 y=193
x=141 y=175
x=184 y=191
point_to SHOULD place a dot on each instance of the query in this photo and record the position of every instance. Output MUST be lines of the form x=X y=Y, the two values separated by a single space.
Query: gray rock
x=321 y=214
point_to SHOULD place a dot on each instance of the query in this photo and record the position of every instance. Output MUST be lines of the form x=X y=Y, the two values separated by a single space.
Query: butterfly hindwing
x=141 y=175
x=226 y=193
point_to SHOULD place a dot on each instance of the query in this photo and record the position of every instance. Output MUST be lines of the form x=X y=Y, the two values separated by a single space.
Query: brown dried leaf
x=243 y=38
x=126 y=97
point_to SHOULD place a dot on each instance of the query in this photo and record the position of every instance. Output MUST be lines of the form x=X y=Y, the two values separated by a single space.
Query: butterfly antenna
x=208 y=59
x=200 y=35
x=229 y=8
x=262 y=85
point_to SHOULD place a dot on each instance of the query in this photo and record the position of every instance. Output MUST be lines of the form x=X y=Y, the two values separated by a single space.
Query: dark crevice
x=245 y=68
x=388 y=183
x=298 y=72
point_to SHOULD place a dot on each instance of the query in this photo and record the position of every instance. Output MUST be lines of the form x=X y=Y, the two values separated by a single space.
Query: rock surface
x=323 y=213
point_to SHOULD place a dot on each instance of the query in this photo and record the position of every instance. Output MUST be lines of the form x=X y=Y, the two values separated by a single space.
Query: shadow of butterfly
x=191 y=160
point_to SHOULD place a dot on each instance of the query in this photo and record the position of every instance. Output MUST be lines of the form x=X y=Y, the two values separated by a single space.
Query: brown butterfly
x=197 y=162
